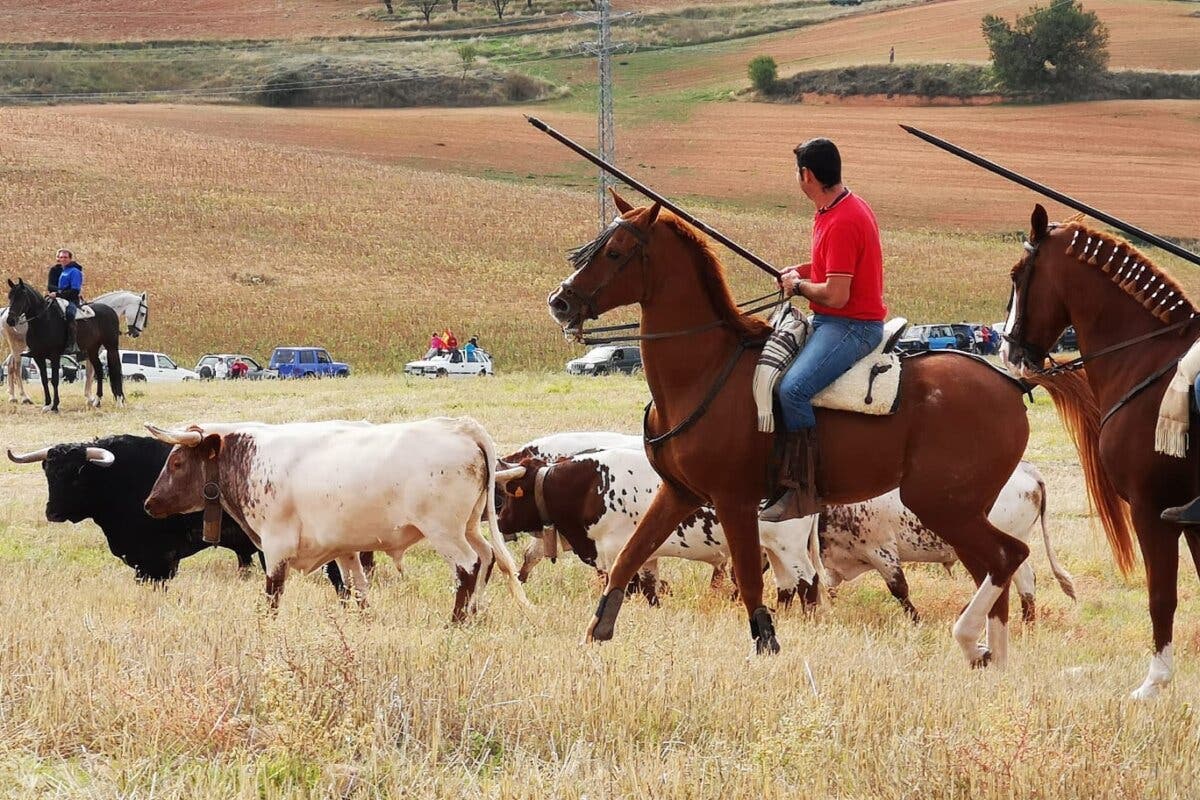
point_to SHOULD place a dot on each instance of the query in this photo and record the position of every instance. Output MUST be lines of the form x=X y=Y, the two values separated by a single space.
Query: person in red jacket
x=844 y=286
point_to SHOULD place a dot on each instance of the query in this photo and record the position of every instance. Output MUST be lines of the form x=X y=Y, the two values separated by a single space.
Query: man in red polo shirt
x=844 y=286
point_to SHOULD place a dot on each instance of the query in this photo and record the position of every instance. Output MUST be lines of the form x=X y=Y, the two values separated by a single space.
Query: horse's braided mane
x=712 y=274
x=1129 y=269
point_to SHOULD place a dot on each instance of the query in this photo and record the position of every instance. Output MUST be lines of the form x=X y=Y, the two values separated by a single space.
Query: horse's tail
x=1077 y=408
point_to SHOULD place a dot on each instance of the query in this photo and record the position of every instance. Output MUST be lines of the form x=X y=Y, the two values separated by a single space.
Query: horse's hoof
x=605 y=622
x=762 y=630
x=26 y=402
x=1147 y=691
x=120 y=402
x=982 y=660
x=47 y=409
x=766 y=646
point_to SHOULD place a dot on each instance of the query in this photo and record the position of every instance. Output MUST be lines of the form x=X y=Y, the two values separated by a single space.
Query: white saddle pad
x=81 y=312
x=871 y=386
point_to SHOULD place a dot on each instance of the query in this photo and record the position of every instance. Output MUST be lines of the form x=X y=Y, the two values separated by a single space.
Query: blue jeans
x=835 y=344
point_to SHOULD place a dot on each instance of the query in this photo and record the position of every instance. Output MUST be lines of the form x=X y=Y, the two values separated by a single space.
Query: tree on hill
x=500 y=6
x=388 y=5
x=467 y=53
x=763 y=73
x=1049 y=48
x=426 y=7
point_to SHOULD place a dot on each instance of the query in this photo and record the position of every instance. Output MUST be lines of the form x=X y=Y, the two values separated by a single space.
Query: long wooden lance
x=1066 y=200
x=757 y=261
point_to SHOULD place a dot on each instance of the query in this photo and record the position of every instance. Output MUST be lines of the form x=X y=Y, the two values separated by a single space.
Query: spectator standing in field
x=892 y=55
x=238 y=368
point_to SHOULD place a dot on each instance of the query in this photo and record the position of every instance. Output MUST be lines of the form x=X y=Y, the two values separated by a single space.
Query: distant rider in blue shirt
x=69 y=288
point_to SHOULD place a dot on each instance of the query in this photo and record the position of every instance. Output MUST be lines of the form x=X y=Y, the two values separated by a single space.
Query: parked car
x=140 y=365
x=607 y=359
x=68 y=368
x=306 y=362
x=216 y=365
x=453 y=363
x=1068 y=341
x=937 y=337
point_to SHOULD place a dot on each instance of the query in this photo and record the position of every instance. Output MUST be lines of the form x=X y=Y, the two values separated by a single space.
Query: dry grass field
x=109 y=689
x=740 y=153
x=249 y=241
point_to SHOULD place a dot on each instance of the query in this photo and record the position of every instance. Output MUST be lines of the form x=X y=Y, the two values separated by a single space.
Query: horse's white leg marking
x=997 y=642
x=970 y=625
x=1162 y=665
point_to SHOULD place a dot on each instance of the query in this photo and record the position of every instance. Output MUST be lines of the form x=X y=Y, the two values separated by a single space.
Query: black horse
x=47 y=339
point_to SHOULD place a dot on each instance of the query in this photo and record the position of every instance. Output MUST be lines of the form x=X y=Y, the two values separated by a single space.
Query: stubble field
x=110 y=689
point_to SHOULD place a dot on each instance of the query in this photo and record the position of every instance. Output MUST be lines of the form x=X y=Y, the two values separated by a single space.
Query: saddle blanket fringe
x=1174 y=413
x=790 y=332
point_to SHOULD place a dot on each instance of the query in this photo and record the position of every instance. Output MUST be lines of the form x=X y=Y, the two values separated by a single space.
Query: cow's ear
x=622 y=204
x=210 y=446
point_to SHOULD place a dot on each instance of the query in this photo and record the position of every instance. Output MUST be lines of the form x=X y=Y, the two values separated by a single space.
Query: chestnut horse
x=958 y=433
x=1134 y=323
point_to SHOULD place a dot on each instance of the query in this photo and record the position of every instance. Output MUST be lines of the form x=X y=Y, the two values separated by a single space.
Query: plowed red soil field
x=1133 y=158
x=121 y=20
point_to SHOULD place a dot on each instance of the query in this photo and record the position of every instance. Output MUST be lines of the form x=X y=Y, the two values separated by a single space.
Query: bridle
x=1020 y=293
x=134 y=328
x=586 y=302
x=30 y=296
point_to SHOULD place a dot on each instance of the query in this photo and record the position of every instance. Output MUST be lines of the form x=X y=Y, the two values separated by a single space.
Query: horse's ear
x=653 y=215
x=11 y=285
x=1039 y=223
x=622 y=204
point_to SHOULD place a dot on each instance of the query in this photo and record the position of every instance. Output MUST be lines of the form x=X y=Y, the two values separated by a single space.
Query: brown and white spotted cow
x=595 y=499
x=881 y=534
x=310 y=492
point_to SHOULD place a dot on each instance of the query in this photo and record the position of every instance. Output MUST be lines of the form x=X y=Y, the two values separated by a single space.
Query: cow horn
x=28 y=458
x=506 y=475
x=100 y=457
x=185 y=438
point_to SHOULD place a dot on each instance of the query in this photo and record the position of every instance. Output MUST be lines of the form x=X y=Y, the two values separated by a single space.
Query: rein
x=775 y=298
x=46 y=303
x=698 y=411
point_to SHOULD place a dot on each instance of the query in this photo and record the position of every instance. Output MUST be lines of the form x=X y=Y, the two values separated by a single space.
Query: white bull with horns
x=307 y=493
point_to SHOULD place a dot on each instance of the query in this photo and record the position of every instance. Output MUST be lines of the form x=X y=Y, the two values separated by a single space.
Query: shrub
x=1049 y=49
x=763 y=73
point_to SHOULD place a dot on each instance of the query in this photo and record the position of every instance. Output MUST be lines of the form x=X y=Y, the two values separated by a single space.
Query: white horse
x=130 y=306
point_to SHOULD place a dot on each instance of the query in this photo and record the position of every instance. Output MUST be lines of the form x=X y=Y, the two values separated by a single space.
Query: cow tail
x=504 y=558
x=1065 y=581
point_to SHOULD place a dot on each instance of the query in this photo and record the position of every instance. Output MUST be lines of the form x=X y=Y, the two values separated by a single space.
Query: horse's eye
x=613 y=255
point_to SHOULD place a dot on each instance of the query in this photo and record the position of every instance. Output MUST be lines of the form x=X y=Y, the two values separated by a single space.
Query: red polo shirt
x=846 y=242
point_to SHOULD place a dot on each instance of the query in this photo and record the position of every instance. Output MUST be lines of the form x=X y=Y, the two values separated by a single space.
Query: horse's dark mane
x=712 y=274
x=579 y=257
x=1129 y=269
